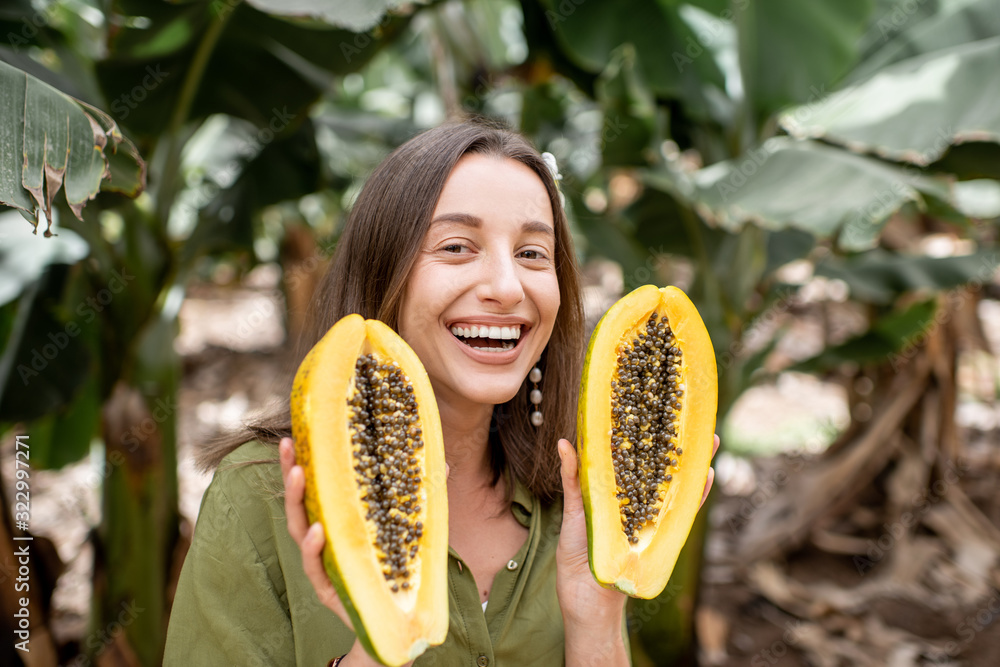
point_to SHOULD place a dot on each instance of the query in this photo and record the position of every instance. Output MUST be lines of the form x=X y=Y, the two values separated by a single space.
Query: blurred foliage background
x=761 y=155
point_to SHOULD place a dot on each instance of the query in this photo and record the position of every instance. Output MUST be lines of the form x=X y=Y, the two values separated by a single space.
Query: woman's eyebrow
x=469 y=220
x=465 y=219
x=535 y=226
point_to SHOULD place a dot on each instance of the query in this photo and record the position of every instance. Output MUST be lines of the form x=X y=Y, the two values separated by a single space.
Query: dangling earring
x=536 y=396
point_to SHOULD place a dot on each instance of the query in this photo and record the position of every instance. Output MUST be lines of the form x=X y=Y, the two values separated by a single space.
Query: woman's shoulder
x=252 y=463
x=252 y=451
x=246 y=486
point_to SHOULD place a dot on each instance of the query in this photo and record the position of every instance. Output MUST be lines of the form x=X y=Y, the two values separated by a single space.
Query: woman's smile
x=490 y=335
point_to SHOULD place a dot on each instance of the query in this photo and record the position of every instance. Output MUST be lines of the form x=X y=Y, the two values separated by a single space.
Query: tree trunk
x=139 y=531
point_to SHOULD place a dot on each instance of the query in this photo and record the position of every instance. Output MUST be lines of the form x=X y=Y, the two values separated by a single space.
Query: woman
x=461 y=227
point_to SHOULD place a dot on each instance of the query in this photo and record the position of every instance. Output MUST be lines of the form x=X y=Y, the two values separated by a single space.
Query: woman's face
x=483 y=294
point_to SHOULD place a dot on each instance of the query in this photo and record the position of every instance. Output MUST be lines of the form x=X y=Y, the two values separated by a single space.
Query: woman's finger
x=295 y=484
x=572 y=496
x=710 y=480
x=708 y=486
x=312 y=563
x=286 y=454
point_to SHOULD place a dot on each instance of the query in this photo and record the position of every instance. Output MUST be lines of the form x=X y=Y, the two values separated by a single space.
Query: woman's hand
x=310 y=540
x=592 y=614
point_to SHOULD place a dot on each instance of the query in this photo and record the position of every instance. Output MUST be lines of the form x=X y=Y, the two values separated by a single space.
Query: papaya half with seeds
x=645 y=424
x=368 y=437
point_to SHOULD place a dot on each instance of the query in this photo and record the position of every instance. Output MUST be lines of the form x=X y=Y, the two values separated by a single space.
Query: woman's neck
x=466 y=432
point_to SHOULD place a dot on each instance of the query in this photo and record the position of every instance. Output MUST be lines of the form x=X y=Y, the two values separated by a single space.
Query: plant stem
x=192 y=80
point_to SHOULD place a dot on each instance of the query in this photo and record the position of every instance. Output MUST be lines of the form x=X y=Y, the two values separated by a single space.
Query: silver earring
x=536 y=396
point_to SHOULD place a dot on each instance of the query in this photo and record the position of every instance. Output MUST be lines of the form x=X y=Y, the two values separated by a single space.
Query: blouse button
x=512 y=565
x=483 y=661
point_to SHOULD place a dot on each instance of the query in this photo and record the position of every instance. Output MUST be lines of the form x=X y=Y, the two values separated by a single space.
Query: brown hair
x=369 y=273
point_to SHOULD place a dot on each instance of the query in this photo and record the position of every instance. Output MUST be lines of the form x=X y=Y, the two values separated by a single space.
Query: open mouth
x=488 y=338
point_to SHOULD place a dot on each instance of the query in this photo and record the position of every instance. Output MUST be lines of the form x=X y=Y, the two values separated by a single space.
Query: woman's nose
x=501 y=282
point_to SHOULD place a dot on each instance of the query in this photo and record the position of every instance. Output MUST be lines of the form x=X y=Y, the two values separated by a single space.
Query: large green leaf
x=820 y=189
x=48 y=142
x=904 y=29
x=793 y=51
x=885 y=340
x=879 y=277
x=914 y=110
x=673 y=61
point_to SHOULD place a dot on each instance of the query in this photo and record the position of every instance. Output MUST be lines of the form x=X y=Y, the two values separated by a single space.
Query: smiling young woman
x=459 y=242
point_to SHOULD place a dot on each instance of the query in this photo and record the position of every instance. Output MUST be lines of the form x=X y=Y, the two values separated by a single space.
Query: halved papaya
x=645 y=424
x=368 y=436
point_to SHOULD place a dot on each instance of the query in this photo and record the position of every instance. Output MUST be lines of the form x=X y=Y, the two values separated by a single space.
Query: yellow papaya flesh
x=368 y=437
x=646 y=421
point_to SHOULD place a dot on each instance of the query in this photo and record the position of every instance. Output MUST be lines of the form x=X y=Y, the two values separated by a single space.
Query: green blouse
x=244 y=599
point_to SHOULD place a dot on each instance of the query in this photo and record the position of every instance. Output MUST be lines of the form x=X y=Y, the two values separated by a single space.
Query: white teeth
x=483 y=331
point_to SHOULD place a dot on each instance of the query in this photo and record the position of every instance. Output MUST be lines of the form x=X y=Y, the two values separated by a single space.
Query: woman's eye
x=453 y=247
x=531 y=254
